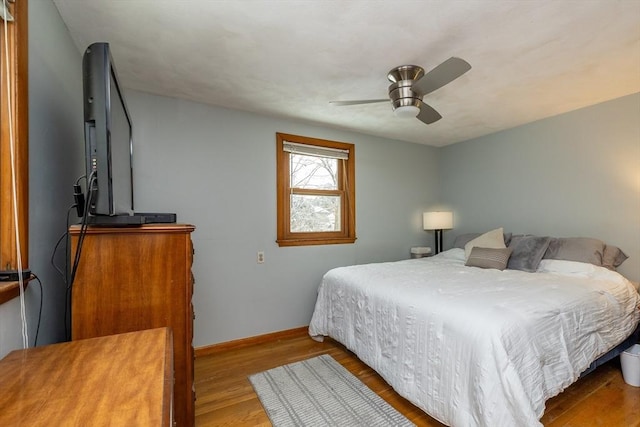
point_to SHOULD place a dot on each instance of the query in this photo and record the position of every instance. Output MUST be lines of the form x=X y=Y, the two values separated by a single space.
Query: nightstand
x=420 y=251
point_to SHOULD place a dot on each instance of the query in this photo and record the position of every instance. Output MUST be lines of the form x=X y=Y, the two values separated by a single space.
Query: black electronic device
x=158 y=217
x=108 y=139
x=115 y=220
x=137 y=218
x=14 y=275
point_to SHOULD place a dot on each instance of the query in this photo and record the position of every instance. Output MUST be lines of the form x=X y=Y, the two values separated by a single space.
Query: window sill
x=10 y=290
x=310 y=242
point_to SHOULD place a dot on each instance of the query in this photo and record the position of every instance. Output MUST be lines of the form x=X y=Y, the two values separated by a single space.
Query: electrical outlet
x=260 y=257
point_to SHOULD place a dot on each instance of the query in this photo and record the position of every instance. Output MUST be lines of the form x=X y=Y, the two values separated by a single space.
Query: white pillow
x=491 y=239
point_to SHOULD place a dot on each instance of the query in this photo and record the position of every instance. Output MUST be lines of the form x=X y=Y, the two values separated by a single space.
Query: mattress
x=471 y=346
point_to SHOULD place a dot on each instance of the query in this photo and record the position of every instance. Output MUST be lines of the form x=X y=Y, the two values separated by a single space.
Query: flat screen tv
x=108 y=140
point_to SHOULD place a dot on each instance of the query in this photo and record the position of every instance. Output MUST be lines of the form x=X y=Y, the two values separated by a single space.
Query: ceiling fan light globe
x=407 y=111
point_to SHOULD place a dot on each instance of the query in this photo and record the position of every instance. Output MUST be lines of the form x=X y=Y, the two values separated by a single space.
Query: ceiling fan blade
x=428 y=115
x=365 y=101
x=443 y=74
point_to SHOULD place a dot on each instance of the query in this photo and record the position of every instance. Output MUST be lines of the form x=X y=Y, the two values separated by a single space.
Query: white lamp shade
x=437 y=220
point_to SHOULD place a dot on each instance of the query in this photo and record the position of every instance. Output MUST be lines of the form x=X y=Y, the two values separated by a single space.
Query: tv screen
x=108 y=136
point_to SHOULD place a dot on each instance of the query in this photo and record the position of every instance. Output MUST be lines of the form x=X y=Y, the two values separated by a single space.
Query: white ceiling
x=284 y=58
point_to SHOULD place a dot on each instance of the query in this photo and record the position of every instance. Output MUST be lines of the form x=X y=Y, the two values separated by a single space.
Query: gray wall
x=55 y=161
x=216 y=169
x=576 y=174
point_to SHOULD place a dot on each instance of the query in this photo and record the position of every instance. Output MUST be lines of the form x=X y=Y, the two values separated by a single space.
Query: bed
x=477 y=346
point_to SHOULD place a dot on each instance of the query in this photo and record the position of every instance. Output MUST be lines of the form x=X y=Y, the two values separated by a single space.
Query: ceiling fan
x=409 y=84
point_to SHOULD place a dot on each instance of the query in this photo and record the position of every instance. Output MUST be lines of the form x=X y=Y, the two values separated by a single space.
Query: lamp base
x=438 y=245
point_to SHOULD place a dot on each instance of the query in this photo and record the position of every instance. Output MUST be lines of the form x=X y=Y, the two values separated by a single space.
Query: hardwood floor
x=225 y=396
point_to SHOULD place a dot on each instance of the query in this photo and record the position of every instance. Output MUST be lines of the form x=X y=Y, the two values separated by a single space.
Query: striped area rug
x=321 y=392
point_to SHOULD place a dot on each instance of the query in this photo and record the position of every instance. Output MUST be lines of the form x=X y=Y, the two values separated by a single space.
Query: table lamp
x=437 y=221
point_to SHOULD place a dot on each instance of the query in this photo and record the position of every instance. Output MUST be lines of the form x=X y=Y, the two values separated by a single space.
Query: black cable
x=76 y=262
x=65 y=274
x=78 y=196
x=35 y=343
x=53 y=254
x=62 y=274
x=78 y=180
x=83 y=230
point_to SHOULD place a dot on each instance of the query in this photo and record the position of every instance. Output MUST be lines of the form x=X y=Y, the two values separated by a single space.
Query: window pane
x=315 y=213
x=313 y=172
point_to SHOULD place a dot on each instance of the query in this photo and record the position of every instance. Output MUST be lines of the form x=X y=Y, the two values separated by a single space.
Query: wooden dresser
x=119 y=380
x=134 y=278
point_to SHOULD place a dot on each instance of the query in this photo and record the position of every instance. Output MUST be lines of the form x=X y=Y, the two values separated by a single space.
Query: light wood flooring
x=225 y=396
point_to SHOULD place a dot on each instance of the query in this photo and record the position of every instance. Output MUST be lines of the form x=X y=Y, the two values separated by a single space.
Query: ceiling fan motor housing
x=402 y=79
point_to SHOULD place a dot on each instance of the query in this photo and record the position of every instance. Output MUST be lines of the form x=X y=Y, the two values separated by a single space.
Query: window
x=14 y=120
x=316 y=191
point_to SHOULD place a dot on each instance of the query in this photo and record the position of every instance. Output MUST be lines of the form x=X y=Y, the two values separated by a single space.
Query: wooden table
x=117 y=380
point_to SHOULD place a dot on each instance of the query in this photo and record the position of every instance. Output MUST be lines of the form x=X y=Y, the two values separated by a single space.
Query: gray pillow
x=461 y=240
x=527 y=252
x=613 y=257
x=488 y=257
x=580 y=249
x=507 y=238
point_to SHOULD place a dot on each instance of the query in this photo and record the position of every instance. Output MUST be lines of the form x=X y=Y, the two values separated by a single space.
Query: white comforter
x=475 y=347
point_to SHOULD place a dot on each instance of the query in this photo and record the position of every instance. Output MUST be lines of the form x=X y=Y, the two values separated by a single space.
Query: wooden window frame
x=18 y=80
x=346 y=188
